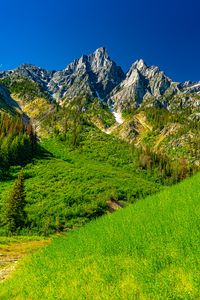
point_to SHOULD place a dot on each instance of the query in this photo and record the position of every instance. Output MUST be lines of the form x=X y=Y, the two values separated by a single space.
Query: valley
x=101 y=168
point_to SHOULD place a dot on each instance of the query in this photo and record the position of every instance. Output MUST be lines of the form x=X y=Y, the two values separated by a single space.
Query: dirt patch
x=114 y=205
x=11 y=253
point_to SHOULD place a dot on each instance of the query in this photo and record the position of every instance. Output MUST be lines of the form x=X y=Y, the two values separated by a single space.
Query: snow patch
x=118 y=117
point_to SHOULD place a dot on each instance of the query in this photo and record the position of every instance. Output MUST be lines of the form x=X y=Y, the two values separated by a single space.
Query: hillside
x=149 y=250
x=67 y=187
x=161 y=132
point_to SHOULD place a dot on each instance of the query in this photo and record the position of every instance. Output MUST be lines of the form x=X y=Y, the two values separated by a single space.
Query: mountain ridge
x=97 y=76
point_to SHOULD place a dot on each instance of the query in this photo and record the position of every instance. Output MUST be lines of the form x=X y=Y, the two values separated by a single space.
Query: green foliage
x=75 y=116
x=24 y=88
x=149 y=250
x=160 y=117
x=67 y=187
x=15 y=216
x=4 y=107
x=169 y=171
x=99 y=109
x=78 y=171
x=17 y=142
x=129 y=112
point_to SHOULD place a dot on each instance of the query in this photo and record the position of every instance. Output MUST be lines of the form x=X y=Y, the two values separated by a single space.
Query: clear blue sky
x=51 y=33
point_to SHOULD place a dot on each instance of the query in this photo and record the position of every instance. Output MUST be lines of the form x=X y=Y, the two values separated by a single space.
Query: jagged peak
x=101 y=50
x=139 y=64
x=100 y=54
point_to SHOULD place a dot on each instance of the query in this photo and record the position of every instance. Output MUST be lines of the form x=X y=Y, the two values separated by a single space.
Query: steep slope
x=161 y=132
x=30 y=72
x=31 y=100
x=94 y=75
x=141 y=82
x=7 y=104
x=148 y=86
x=149 y=250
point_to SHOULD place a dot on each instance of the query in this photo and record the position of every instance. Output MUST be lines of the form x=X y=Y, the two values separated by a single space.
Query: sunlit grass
x=149 y=250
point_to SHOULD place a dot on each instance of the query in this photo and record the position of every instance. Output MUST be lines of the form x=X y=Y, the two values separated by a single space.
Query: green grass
x=149 y=250
x=66 y=188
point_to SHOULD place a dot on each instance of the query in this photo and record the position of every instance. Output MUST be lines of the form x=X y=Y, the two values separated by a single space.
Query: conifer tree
x=15 y=215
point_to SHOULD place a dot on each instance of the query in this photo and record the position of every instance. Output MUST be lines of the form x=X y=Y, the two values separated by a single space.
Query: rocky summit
x=141 y=82
x=149 y=86
x=93 y=75
x=98 y=76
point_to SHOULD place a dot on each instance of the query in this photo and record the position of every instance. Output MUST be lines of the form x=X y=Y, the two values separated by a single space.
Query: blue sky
x=52 y=33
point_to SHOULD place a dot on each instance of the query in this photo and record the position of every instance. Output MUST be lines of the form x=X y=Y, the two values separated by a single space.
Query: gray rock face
x=149 y=86
x=141 y=82
x=94 y=75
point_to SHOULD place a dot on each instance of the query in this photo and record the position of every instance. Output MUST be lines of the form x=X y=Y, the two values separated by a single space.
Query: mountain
x=149 y=86
x=97 y=76
x=30 y=72
x=93 y=75
x=140 y=83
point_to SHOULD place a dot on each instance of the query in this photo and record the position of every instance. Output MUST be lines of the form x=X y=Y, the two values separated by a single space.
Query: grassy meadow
x=149 y=250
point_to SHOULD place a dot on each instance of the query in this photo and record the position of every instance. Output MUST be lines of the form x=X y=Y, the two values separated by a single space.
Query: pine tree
x=15 y=215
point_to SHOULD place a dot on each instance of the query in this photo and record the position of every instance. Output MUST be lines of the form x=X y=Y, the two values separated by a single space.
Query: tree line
x=17 y=142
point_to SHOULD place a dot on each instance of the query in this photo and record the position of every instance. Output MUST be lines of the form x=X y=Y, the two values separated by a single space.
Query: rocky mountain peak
x=94 y=75
x=139 y=65
x=99 y=59
x=95 y=61
x=102 y=51
x=97 y=75
x=141 y=82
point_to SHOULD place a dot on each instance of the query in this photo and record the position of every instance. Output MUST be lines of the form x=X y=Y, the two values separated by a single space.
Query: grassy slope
x=149 y=250
x=71 y=187
x=172 y=134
